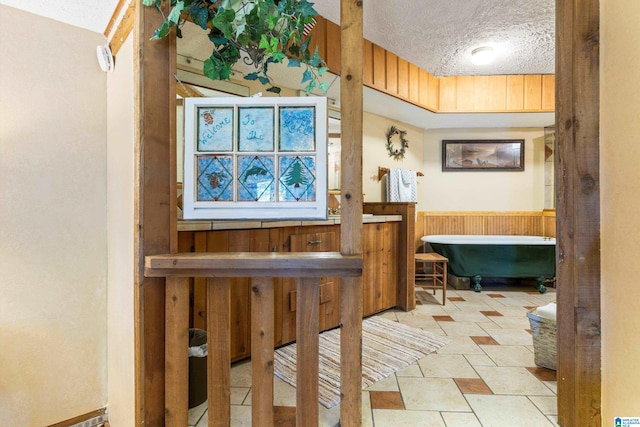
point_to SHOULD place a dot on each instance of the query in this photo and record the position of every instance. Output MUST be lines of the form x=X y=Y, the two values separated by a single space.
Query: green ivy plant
x=258 y=32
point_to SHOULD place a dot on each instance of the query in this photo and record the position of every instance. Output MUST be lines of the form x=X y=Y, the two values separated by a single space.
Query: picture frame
x=474 y=155
x=255 y=158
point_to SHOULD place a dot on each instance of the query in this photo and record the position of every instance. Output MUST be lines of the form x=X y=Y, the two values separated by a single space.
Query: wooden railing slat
x=262 y=332
x=219 y=355
x=176 y=351
x=307 y=338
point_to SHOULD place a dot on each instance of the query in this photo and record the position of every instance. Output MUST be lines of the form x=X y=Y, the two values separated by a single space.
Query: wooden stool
x=437 y=273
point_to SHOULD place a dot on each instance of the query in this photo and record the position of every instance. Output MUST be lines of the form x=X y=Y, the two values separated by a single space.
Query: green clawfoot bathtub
x=497 y=256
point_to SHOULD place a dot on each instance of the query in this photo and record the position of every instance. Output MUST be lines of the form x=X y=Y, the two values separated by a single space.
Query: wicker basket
x=544 y=340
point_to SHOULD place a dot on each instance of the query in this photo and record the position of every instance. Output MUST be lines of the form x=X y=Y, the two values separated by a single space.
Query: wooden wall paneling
x=532 y=92
x=549 y=222
x=448 y=93
x=496 y=98
x=379 y=68
x=578 y=248
x=333 y=47
x=414 y=84
x=549 y=92
x=466 y=98
x=319 y=37
x=403 y=78
x=513 y=225
x=515 y=93
x=433 y=99
x=155 y=225
x=392 y=73
x=423 y=91
x=481 y=93
x=367 y=63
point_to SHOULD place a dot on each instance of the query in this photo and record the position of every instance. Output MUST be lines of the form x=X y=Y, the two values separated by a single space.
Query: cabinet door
x=329 y=312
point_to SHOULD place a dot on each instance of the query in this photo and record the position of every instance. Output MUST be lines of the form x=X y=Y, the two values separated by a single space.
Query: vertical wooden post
x=262 y=351
x=176 y=351
x=155 y=228
x=578 y=212
x=307 y=341
x=351 y=216
x=219 y=355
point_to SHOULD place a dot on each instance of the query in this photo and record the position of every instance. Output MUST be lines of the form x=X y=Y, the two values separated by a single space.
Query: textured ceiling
x=436 y=35
x=92 y=15
x=439 y=35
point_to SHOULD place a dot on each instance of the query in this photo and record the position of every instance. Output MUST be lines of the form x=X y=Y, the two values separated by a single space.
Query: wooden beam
x=578 y=212
x=351 y=216
x=154 y=111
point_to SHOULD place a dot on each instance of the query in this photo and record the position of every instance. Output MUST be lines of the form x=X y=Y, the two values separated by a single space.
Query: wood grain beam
x=578 y=212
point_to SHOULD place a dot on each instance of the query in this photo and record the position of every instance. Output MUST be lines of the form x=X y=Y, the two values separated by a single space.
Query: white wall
x=483 y=191
x=53 y=241
x=120 y=225
x=620 y=204
x=374 y=154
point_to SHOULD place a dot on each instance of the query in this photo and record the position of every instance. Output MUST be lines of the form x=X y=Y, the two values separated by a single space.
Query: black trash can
x=197 y=367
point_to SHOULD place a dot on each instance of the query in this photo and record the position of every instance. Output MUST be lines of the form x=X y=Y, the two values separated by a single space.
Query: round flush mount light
x=482 y=55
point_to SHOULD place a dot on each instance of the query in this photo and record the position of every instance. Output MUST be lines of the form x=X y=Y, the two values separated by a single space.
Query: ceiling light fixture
x=482 y=55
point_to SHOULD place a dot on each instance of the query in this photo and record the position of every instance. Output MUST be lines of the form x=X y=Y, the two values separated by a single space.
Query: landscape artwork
x=483 y=155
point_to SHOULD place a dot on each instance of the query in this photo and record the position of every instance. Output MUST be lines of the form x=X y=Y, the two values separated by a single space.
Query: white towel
x=402 y=186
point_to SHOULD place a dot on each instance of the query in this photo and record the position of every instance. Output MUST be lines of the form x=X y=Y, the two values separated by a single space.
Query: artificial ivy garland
x=397 y=154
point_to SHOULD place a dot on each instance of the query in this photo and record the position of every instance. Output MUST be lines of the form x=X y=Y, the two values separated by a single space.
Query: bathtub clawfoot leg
x=476 y=283
x=541 y=287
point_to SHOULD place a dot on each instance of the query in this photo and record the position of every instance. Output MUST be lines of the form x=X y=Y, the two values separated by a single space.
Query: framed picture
x=483 y=155
x=255 y=158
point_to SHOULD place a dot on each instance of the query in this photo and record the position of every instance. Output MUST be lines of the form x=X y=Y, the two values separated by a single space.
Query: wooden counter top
x=200 y=225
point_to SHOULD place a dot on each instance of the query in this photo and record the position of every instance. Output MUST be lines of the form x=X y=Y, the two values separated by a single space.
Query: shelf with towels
x=383 y=171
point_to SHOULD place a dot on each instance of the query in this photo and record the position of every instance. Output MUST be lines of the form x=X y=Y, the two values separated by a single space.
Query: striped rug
x=387 y=347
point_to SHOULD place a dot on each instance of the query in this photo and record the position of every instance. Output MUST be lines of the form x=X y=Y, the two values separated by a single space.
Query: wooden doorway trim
x=578 y=212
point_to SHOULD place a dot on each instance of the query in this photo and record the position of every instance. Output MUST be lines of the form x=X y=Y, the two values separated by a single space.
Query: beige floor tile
x=509 y=355
x=500 y=411
x=512 y=380
x=548 y=405
x=388 y=384
x=196 y=413
x=554 y=420
x=510 y=322
x=412 y=370
x=446 y=366
x=460 y=345
x=239 y=394
x=283 y=393
x=479 y=360
x=240 y=416
x=460 y=419
x=469 y=316
x=395 y=418
x=329 y=417
x=367 y=414
x=462 y=329
x=432 y=394
x=553 y=386
x=512 y=337
x=241 y=374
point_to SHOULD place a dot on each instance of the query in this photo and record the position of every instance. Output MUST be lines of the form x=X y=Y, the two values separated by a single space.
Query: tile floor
x=486 y=375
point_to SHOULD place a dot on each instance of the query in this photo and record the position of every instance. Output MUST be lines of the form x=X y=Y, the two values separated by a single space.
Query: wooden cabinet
x=380 y=275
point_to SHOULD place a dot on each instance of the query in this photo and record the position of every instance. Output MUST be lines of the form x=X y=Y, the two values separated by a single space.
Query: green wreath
x=397 y=154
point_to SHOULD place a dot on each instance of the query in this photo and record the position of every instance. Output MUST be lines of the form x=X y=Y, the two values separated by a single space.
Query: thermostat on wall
x=105 y=58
